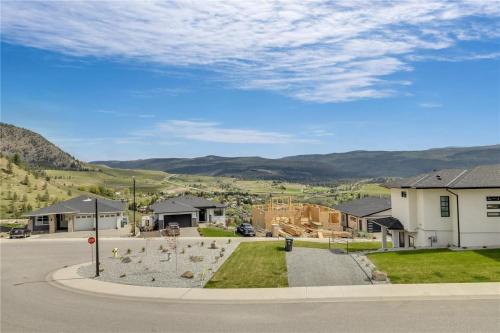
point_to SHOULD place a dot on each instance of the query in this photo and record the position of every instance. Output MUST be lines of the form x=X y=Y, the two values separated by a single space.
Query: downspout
x=458 y=215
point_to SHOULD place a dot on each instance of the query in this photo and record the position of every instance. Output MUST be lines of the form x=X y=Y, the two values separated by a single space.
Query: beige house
x=451 y=207
x=77 y=214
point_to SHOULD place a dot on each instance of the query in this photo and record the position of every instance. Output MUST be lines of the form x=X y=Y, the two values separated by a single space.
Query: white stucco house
x=188 y=211
x=452 y=207
x=77 y=214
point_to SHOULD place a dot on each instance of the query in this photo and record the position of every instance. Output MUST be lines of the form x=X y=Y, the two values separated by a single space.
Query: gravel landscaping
x=155 y=265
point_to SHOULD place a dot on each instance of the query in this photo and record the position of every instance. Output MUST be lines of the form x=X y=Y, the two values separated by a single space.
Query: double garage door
x=87 y=222
x=184 y=220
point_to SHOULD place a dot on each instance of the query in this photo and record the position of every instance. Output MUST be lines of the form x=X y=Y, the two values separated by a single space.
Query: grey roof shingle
x=184 y=204
x=388 y=222
x=484 y=176
x=172 y=206
x=365 y=206
x=82 y=205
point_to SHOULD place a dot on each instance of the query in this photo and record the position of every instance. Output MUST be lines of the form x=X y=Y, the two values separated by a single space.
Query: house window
x=218 y=212
x=493 y=206
x=42 y=220
x=493 y=214
x=492 y=198
x=445 y=206
x=403 y=194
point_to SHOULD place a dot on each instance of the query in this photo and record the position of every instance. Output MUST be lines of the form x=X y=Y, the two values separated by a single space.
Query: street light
x=96 y=237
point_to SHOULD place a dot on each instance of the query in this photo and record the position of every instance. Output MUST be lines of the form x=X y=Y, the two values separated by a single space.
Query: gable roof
x=365 y=206
x=184 y=204
x=484 y=176
x=388 y=222
x=82 y=205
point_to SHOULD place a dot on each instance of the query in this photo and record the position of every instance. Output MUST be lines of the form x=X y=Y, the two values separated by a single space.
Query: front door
x=203 y=215
x=401 y=239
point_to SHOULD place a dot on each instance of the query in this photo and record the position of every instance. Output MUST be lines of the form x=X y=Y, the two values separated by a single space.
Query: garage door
x=85 y=222
x=184 y=220
x=107 y=222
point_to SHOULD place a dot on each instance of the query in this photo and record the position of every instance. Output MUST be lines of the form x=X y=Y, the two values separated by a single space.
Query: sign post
x=91 y=240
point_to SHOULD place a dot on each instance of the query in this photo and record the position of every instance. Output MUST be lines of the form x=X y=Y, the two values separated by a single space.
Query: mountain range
x=323 y=167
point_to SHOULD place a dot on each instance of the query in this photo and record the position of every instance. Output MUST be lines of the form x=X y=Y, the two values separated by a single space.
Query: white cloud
x=216 y=132
x=310 y=50
x=430 y=105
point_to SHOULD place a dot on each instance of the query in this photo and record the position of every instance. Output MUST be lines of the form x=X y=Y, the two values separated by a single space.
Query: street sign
x=91 y=240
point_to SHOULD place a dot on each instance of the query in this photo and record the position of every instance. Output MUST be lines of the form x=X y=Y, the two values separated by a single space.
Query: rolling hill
x=34 y=149
x=323 y=168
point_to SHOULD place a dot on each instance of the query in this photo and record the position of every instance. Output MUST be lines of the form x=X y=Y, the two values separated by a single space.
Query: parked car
x=173 y=229
x=20 y=232
x=246 y=229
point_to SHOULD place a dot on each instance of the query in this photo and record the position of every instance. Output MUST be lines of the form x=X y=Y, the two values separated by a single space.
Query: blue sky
x=260 y=78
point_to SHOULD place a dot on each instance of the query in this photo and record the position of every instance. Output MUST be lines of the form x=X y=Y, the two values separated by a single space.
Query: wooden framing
x=296 y=219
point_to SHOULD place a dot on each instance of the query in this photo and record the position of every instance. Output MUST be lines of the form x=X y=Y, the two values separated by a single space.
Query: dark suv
x=246 y=229
x=20 y=232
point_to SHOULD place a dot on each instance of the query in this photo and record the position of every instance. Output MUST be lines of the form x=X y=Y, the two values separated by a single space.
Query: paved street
x=30 y=304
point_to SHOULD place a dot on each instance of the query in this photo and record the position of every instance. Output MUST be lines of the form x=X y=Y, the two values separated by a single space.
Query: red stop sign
x=91 y=240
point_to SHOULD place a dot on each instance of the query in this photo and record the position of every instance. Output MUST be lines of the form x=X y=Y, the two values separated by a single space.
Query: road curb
x=68 y=277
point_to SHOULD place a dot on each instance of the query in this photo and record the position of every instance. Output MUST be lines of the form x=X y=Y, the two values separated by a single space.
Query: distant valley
x=323 y=168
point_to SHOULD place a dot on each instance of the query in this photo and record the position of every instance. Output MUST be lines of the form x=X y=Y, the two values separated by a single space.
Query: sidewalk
x=69 y=278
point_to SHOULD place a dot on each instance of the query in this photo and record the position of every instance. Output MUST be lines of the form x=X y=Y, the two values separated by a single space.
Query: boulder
x=187 y=275
x=213 y=245
x=126 y=260
x=379 y=276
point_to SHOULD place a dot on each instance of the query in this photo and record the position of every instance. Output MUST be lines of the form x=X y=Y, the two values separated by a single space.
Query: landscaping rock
x=213 y=245
x=126 y=260
x=196 y=258
x=187 y=275
x=379 y=276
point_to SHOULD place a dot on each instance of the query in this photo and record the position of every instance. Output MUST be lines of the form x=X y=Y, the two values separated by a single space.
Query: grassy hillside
x=48 y=186
x=22 y=190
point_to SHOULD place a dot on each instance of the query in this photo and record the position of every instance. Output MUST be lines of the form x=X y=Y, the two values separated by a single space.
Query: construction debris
x=297 y=219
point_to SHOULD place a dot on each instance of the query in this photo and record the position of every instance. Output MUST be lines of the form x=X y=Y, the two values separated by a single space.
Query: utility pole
x=133 y=194
x=96 y=240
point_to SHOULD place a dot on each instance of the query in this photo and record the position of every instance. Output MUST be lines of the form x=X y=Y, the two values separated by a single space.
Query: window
x=492 y=198
x=493 y=214
x=493 y=206
x=445 y=206
x=42 y=220
x=218 y=212
x=403 y=194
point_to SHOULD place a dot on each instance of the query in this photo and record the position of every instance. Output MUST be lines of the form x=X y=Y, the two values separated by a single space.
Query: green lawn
x=353 y=246
x=439 y=266
x=216 y=232
x=253 y=265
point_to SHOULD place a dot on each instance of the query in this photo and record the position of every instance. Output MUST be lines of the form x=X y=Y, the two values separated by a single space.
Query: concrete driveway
x=317 y=267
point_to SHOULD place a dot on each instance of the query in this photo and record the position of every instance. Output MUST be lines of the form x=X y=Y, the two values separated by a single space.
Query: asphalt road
x=31 y=304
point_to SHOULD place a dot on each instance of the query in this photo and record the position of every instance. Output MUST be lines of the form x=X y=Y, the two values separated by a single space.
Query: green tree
x=16 y=159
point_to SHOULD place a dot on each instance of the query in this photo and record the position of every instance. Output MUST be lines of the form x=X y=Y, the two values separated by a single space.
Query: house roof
x=484 y=176
x=184 y=204
x=172 y=206
x=388 y=222
x=82 y=205
x=365 y=206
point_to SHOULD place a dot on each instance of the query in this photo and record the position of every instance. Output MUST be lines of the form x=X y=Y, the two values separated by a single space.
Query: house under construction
x=283 y=217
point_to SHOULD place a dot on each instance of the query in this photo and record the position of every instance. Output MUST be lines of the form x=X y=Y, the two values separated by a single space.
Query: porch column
x=384 y=238
x=52 y=224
